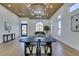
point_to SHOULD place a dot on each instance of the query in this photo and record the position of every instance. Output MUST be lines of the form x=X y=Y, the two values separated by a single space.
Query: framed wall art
x=7 y=26
x=75 y=23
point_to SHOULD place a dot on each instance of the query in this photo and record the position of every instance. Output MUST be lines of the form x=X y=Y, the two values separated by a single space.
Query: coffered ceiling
x=33 y=10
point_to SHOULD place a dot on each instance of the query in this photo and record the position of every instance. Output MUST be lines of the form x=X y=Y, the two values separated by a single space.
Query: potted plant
x=46 y=29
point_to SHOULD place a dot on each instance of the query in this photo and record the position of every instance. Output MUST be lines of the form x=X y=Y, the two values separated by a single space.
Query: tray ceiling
x=32 y=10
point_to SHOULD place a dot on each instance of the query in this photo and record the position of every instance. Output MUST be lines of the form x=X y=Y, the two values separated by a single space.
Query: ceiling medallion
x=38 y=10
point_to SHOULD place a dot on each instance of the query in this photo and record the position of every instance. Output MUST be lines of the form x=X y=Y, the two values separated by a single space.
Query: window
x=59 y=24
x=59 y=16
x=39 y=26
x=74 y=7
x=24 y=28
x=59 y=27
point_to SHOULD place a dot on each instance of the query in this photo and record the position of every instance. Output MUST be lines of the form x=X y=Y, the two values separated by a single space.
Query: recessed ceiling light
x=51 y=6
x=9 y=5
x=28 y=5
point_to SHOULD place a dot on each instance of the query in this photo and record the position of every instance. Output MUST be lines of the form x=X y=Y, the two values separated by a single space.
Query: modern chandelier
x=38 y=10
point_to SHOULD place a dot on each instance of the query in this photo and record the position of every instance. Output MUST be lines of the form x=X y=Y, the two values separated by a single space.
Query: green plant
x=46 y=28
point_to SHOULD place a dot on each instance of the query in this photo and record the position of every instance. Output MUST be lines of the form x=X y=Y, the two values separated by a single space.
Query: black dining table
x=38 y=41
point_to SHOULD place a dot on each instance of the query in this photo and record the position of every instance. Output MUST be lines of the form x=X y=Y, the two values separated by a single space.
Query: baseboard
x=70 y=48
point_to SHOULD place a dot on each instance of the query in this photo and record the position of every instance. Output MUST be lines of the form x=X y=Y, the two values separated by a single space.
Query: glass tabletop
x=35 y=39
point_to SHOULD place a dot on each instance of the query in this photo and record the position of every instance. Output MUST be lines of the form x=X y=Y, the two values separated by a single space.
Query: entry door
x=24 y=30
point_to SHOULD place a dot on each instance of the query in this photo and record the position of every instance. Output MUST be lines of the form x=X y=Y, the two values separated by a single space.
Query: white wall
x=32 y=24
x=67 y=36
x=12 y=19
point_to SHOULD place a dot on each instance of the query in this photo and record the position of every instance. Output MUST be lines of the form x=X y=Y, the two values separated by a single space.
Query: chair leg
x=31 y=49
x=46 y=49
x=25 y=50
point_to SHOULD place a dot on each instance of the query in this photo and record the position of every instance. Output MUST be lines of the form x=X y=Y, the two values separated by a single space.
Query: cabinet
x=8 y=37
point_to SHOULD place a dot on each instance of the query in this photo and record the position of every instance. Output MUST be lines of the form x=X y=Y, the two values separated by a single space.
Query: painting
x=75 y=23
x=7 y=26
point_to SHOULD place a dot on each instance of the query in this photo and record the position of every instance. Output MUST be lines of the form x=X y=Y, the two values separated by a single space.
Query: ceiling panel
x=28 y=9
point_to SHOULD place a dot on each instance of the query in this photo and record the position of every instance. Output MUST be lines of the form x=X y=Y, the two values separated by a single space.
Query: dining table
x=38 y=41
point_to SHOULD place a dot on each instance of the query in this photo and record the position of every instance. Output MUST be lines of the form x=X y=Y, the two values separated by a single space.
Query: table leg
x=25 y=49
x=38 y=50
x=51 y=49
x=49 y=44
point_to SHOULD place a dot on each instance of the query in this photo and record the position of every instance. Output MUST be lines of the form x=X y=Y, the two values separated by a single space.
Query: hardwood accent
x=15 y=48
x=9 y=9
x=24 y=11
